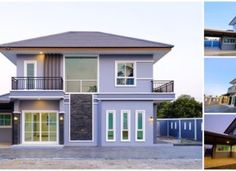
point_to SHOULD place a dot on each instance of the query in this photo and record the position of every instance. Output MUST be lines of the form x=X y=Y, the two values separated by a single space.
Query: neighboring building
x=185 y=128
x=232 y=93
x=83 y=88
x=222 y=145
x=225 y=40
x=217 y=100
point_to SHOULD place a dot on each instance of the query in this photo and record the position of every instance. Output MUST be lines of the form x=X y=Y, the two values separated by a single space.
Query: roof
x=218 y=33
x=233 y=22
x=233 y=81
x=84 y=39
x=231 y=127
x=216 y=138
x=4 y=98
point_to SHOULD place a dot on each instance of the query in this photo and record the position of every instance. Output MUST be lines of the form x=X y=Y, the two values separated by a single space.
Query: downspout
x=195 y=129
x=155 y=124
x=179 y=129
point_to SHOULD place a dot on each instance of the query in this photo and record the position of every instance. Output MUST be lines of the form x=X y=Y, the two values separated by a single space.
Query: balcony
x=37 y=83
x=162 y=86
x=232 y=89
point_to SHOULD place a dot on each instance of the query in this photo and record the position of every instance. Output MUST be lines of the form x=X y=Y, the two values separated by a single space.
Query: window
x=175 y=125
x=171 y=125
x=125 y=73
x=140 y=125
x=222 y=148
x=229 y=40
x=189 y=125
x=110 y=125
x=185 y=126
x=80 y=74
x=30 y=73
x=125 y=125
x=5 y=120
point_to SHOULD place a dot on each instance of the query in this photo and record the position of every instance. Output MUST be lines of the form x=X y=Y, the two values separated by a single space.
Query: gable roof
x=231 y=127
x=233 y=22
x=84 y=39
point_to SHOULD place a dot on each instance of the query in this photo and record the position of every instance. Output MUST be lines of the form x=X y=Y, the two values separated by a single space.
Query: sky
x=219 y=14
x=218 y=123
x=218 y=73
x=167 y=22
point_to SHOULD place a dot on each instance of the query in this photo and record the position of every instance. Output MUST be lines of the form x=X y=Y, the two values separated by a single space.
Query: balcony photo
x=220 y=85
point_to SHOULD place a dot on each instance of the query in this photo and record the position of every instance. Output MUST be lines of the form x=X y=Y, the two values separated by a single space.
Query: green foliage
x=183 y=107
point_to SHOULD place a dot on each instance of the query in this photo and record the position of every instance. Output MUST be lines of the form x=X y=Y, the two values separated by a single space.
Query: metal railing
x=37 y=83
x=162 y=86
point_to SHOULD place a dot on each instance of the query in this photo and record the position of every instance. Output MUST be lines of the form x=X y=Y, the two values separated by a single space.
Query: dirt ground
x=100 y=164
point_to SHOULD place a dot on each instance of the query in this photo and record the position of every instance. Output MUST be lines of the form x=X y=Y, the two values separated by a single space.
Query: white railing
x=85 y=85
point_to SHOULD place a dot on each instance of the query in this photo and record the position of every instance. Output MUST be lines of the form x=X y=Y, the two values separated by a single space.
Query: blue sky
x=218 y=73
x=165 y=22
x=219 y=14
x=218 y=123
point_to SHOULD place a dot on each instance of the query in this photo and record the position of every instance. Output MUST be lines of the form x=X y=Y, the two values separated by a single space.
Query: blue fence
x=212 y=43
x=187 y=128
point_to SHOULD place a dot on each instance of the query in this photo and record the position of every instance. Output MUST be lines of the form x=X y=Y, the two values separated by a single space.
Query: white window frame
x=121 y=125
x=6 y=126
x=39 y=142
x=35 y=72
x=185 y=125
x=231 y=38
x=190 y=126
x=134 y=73
x=114 y=125
x=143 y=124
x=175 y=125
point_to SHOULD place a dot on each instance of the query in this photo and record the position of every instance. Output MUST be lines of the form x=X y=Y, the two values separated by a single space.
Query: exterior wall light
x=151 y=118
x=15 y=118
x=40 y=52
x=227 y=142
x=61 y=118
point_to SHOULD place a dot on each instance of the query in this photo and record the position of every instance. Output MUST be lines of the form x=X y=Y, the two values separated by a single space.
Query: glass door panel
x=40 y=127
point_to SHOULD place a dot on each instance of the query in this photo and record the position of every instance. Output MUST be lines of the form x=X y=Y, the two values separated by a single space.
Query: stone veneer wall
x=81 y=117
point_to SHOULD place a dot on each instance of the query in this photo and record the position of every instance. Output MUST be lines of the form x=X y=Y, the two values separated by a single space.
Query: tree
x=184 y=106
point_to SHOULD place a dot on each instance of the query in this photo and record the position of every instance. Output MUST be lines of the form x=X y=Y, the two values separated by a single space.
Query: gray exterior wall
x=127 y=105
x=227 y=46
x=143 y=70
x=6 y=135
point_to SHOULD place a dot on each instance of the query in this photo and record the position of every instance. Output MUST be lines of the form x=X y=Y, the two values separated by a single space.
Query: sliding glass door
x=40 y=127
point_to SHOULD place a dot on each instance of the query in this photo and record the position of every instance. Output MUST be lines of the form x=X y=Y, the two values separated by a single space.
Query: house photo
x=83 y=88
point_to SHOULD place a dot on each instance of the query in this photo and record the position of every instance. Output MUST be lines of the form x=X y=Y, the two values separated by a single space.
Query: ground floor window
x=5 y=120
x=125 y=125
x=40 y=127
x=110 y=125
x=140 y=125
x=222 y=148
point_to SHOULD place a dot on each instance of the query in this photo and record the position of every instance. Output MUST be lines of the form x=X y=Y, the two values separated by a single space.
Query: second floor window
x=125 y=74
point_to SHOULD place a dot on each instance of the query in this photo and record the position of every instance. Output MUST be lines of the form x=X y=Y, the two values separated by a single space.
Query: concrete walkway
x=154 y=152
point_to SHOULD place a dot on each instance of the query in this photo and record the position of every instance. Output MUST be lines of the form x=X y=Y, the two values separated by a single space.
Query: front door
x=30 y=74
x=40 y=127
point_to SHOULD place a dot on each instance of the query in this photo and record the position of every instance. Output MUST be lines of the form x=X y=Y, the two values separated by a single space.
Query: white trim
x=81 y=55
x=40 y=113
x=6 y=126
x=171 y=125
x=82 y=141
x=114 y=125
x=136 y=99
x=121 y=125
x=148 y=93
x=143 y=124
x=38 y=97
x=134 y=73
x=175 y=125
x=144 y=61
x=178 y=118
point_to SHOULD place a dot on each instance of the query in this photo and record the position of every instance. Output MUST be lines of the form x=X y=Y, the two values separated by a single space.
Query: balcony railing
x=162 y=86
x=37 y=83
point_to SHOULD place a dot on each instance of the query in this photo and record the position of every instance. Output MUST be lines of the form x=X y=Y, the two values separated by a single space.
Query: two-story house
x=83 y=88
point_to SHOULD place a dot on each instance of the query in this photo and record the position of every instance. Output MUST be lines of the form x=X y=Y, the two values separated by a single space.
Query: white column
x=179 y=128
